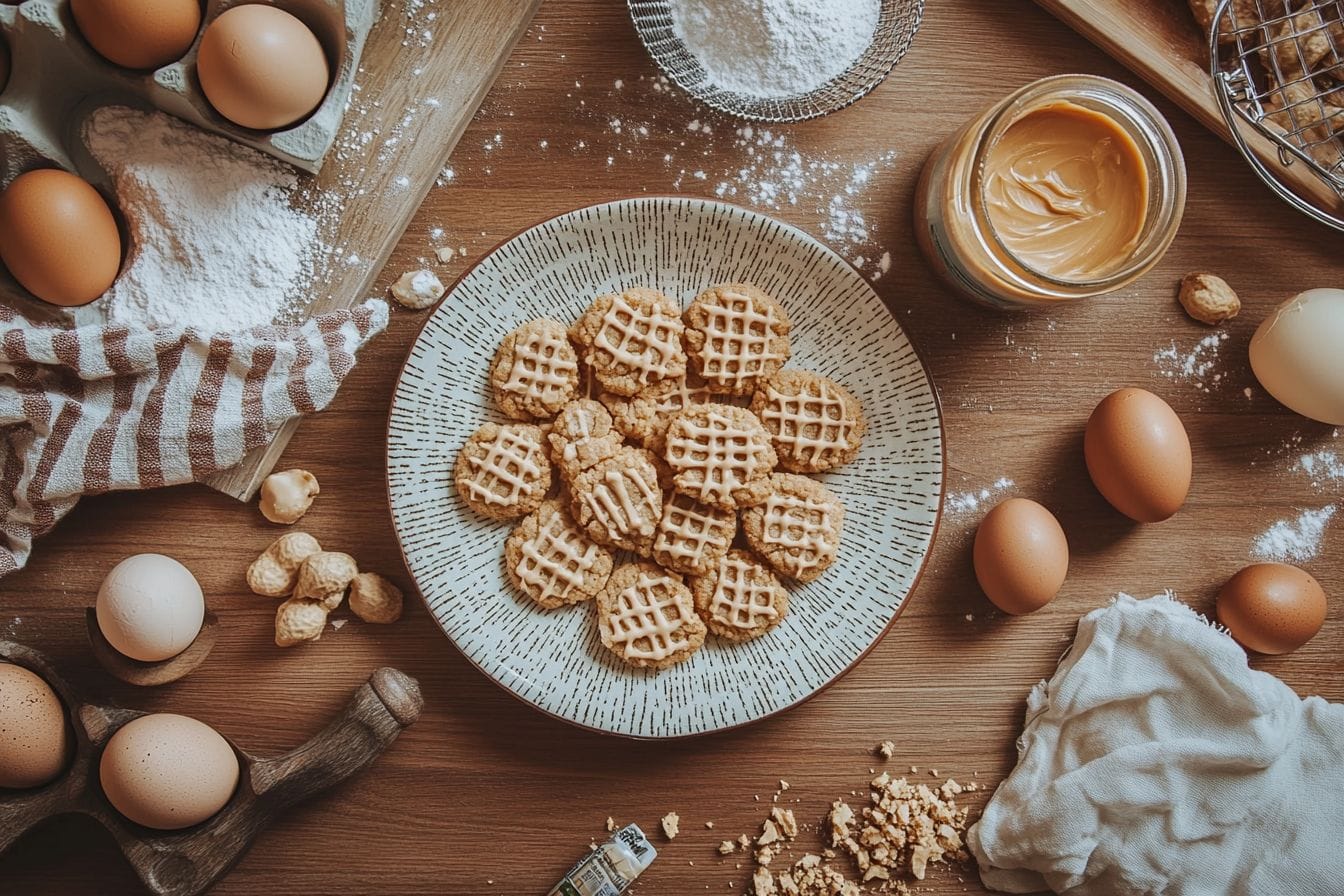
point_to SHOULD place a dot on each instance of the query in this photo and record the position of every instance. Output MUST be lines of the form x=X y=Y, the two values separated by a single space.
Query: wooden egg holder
x=188 y=862
x=57 y=80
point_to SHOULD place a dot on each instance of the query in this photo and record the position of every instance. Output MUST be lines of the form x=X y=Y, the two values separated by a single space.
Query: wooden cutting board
x=426 y=70
x=1160 y=41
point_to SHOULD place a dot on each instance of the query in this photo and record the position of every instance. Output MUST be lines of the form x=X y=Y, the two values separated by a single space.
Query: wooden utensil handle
x=388 y=702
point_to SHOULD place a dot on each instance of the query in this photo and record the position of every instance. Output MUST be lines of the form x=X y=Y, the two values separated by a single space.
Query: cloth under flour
x=1156 y=762
x=102 y=408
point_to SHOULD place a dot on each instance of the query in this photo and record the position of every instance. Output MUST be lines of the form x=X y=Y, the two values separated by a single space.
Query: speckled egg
x=1138 y=455
x=35 y=741
x=1272 y=607
x=1021 y=556
x=167 y=771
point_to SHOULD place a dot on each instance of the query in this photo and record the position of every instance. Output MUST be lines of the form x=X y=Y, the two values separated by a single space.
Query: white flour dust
x=216 y=242
x=1323 y=468
x=775 y=48
x=1294 y=540
x=1197 y=364
x=958 y=503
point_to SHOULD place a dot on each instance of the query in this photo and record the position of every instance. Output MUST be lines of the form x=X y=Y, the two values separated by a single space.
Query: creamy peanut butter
x=1066 y=190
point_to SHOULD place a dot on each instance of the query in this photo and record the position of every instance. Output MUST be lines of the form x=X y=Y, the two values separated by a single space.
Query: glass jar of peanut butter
x=1072 y=187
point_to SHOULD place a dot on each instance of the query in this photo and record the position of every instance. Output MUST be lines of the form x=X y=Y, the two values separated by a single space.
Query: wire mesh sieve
x=1278 y=67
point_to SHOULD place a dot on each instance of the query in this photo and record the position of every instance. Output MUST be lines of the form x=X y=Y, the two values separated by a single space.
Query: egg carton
x=57 y=80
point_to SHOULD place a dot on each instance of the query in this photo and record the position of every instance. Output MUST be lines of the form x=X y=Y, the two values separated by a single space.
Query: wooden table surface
x=484 y=788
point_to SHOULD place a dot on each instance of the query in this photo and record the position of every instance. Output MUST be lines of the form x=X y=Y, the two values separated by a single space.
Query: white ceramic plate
x=554 y=660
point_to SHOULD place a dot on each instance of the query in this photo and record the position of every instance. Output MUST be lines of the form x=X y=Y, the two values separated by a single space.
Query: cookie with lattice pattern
x=646 y=616
x=631 y=340
x=796 y=530
x=739 y=599
x=582 y=436
x=502 y=471
x=720 y=455
x=645 y=415
x=736 y=335
x=618 y=501
x=535 y=371
x=814 y=423
x=552 y=561
x=692 y=537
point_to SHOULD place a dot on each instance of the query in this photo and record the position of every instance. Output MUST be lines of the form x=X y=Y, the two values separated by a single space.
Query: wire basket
x=1278 y=68
x=896 y=26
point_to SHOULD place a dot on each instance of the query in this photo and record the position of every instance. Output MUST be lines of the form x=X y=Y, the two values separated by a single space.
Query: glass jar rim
x=1141 y=120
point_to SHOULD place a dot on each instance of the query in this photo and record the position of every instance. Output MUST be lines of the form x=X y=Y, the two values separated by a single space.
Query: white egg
x=1297 y=354
x=150 y=607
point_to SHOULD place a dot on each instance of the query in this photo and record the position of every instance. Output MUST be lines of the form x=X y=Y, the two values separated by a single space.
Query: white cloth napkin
x=1156 y=762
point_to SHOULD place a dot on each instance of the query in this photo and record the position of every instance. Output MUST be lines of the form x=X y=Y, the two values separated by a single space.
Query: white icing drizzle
x=793 y=415
x=617 y=508
x=739 y=340
x=674 y=400
x=583 y=422
x=685 y=531
x=557 y=560
x=648 y=619
x=508 y=462
x=739 y=601
x=648 y=343
x=541 y=371
x=727 y=455
x=802 y=527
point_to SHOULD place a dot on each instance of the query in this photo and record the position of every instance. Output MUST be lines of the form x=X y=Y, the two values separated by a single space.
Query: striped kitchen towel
x=106 y=408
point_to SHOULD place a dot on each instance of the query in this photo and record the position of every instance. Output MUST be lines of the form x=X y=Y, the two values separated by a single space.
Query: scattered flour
x=1294 y=541
x=958 y=503
x=1323 y=468
x=216 y=241
x=775 y=48
x=1197 y=364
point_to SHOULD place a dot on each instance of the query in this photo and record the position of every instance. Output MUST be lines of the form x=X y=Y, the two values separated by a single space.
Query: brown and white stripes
x=96 y=409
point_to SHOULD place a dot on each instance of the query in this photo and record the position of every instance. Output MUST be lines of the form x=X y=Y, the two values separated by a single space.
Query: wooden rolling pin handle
x=388 y=702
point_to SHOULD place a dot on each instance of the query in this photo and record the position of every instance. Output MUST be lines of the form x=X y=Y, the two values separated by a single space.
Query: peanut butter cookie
x=692 y=537
x=550 y=560
x=814 y=423
x=618 y=502
x=737 y=335
x=797 y=529
x=581 y=436
x=739 y=599
x=535 y=371
x=720 y=455
x=645 y=415
x=631 y=340
x=646 y=616
x=502 y=471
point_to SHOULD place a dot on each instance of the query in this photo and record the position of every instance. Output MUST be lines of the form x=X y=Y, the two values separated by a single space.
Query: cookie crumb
x=727 y=847
x=671 y=825
x=611 y=823
x=709 y=825
x=445 y=254
x=886 y=749
x=783 y=785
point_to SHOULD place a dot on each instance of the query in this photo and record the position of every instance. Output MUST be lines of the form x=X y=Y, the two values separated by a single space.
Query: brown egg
x=34 y=736
x=140 y=34
x=1021 y=556
x=58 y=237
x=167 y=771
x=1138 y=455
x=1272 y=607
x=262 y=68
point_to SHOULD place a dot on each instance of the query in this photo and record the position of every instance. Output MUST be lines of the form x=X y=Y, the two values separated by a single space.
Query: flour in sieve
x=216 y=242
x=775 y=48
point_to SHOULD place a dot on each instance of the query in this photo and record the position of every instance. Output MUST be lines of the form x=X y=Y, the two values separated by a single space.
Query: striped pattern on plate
x=554 y=659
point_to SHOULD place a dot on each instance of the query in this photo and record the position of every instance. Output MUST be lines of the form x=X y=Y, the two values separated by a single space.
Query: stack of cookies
x=690 y=457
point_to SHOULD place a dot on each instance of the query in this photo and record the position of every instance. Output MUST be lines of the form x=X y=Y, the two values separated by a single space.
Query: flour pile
x=775 y=48
x=216 y=242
